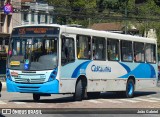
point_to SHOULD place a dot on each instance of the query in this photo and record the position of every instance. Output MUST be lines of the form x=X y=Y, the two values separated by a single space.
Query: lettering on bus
x=98 y=68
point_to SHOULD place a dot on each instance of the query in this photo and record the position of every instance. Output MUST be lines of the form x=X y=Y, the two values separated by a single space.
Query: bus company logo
x=22 y=31
x=98 y=68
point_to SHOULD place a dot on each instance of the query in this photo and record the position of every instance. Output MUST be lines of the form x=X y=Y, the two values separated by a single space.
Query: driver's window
x=68 y=50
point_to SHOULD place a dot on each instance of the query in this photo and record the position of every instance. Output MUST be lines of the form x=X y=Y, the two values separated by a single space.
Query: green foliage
x=140 y=13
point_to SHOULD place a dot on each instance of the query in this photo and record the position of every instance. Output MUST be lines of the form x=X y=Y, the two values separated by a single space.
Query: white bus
x=55 y=59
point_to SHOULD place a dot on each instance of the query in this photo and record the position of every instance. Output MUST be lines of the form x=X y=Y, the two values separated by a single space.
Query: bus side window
x=126 y=51
x=113 y=49
x=150 y=53
x=98 y=46
x=68 y=50
x=83 y=47
x=139 y=52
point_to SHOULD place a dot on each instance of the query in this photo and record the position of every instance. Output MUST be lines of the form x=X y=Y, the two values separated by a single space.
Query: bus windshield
x=33 y=48
x=33 y=53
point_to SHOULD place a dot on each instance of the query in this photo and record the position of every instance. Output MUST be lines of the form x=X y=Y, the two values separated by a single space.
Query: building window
x=139 y=52
x=126 y=51
x=113 y=49
x=150 y=53
x=25 y=17
x=32 y=17
x=42 y=18
x=98 y=46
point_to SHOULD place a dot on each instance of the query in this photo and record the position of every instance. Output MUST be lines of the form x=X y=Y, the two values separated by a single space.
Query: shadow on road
x=56 y=100
x=68 y=99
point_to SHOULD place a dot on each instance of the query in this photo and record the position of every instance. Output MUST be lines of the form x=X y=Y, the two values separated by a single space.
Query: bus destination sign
x=35 y=30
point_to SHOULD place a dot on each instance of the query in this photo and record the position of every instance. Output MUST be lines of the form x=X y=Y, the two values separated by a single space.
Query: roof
x=116 y=26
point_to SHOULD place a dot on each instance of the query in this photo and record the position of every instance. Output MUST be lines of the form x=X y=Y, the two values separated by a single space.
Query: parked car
x=0 y=88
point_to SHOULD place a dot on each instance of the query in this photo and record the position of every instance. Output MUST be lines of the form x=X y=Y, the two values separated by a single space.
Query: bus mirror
x=10 y=52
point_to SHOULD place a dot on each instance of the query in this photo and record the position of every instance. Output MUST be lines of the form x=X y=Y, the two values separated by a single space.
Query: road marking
x=154 y=98
x=147 y=100
x=129 y=100
x=19 y=102
x=111 y=100
x=1 y=102
x=94 y=101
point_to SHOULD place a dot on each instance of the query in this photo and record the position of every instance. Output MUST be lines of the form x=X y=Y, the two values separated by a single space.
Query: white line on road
x=154 y=98
x=1 y=102
x=111 y=100
x=147 y=100
x=129 y=100
x=20 y=103
x=94 y=101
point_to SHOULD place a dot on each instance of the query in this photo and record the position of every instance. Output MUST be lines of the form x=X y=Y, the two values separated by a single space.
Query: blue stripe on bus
x=126 y=67
x=142 y=71
x=83 y=66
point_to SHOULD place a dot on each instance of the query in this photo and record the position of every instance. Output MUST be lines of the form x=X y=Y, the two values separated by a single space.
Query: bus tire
x=79 y=91
x=36 y=97
x=129 y=88
x=93 y=95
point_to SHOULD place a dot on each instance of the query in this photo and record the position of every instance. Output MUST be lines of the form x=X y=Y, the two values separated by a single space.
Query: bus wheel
x=93 y=95
x=79 y=91
x=130 y=88
x=36 y=97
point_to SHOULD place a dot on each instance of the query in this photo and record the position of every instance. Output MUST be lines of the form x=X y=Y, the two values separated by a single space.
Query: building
x=36 y=13
x=115 y=27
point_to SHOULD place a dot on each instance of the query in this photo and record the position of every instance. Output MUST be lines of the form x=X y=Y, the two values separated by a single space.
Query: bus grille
x=29 y=80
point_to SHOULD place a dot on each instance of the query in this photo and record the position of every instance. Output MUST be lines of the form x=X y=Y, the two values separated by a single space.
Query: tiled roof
x=108 y=26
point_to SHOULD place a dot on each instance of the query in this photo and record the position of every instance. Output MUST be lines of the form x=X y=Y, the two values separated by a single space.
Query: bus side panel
x=113 y=76
x=69 y=74
x=67 y=85
x=145 y=83
x=106 y=85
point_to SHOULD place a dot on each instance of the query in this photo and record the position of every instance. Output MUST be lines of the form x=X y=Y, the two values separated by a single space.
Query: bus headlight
x=53 y=76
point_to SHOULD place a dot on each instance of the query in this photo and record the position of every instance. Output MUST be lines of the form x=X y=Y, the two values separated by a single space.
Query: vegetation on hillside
x=144 y=14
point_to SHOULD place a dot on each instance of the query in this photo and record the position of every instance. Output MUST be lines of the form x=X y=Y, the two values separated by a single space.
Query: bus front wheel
x=79 y=91
x=36 y=97
x=130 y=88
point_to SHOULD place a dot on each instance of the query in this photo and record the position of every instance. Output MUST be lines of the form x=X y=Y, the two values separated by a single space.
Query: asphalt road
x=108 y=103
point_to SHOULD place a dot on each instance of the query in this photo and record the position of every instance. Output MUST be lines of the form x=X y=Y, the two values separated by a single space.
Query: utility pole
x=126 y=12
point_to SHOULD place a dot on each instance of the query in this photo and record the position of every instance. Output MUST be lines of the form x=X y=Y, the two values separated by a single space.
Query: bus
x=57 y=59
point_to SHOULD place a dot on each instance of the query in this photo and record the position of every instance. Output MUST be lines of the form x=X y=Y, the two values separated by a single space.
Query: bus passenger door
x=67 y=64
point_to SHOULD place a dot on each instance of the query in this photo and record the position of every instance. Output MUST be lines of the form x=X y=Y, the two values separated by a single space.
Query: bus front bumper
x=48 y=87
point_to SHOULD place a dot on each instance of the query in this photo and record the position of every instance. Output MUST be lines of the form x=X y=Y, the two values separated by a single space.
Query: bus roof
x=84 y=31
